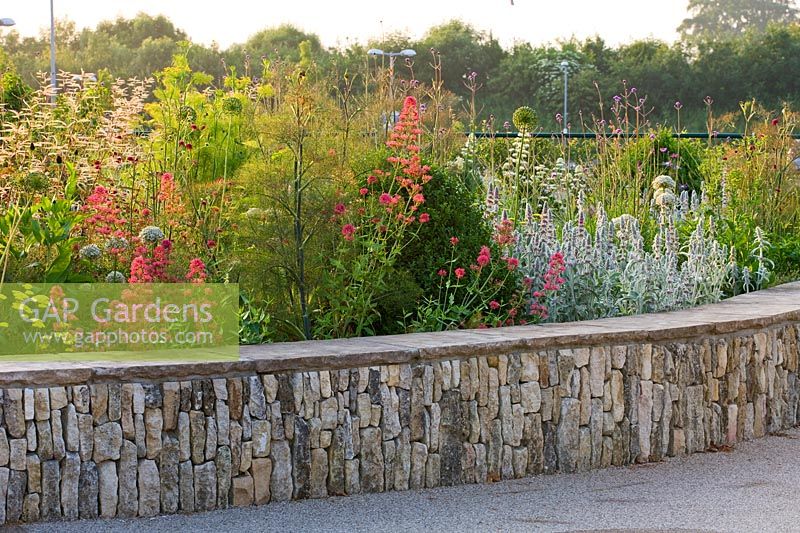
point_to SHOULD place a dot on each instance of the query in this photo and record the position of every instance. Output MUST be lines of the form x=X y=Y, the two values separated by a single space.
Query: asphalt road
x=754 y=488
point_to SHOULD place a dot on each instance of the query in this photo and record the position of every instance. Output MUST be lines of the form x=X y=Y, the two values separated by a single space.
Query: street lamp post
x=565 y=70
x=53 y=85
x=376 y=52
x=391 y=55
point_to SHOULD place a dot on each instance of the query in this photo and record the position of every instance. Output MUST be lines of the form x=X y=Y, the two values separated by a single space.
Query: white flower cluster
x=90 y=252
x=151 y=235
x=116 y=244
x=116 y=276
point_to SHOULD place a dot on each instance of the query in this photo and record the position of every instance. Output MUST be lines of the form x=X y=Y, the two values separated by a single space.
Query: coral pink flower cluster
x=148 y=264
x=148 y=267
x=170 y=199
x=197 y=271
x=504 y=233
x=104 y=216
x=552 y=283
x=402 y=202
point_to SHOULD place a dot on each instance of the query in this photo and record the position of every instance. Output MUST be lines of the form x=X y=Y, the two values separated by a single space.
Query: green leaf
x=58 y=270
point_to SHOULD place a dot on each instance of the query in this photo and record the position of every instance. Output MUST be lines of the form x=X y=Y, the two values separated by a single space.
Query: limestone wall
x=312 y=420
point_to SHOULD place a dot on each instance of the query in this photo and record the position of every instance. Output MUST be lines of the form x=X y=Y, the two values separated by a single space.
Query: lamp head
x=408 y=52
x=7 y=22
x=375 y=52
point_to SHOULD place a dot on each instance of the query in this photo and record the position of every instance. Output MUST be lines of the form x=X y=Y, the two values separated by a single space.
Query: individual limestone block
x=172 y=403
x=108 y=485
x=597 y=368
x=34 y=472
x=186 y=482
x=568 y=441
x=319 y=473
x=261 y=480
x=149 y=485
x=99 y=402
x=128 y=470
x=197 y=426
x=30 y=508
x=14 y=413
x=261 y=438
x=51 y=493
x=168 y=462
x=4 y=448
x=371 y=460
x=18 y=448
x=224 y=472
x=58 y=398
x=69 y=422
x=85 y=436
x=70 y=478
x=107 y=442
x=243 y=491
x=205 y=486
x=281 y=484
x=153 y=423
x=17 y=482
x=41 y=404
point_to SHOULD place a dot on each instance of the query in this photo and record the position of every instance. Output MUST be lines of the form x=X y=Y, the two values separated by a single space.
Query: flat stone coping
x=756 y=310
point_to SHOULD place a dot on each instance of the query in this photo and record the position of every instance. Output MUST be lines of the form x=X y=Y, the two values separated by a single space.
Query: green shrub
x=455 y=212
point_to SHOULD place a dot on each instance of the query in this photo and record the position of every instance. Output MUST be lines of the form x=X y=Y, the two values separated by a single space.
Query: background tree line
x=730 y=51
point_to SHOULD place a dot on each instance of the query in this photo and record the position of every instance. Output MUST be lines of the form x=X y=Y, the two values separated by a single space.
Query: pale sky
x=339 y=23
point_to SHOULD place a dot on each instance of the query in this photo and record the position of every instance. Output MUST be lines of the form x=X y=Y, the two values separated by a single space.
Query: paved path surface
x=755 y=488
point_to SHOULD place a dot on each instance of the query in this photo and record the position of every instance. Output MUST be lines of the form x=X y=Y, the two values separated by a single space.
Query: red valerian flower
x=339 y=209
x=460 y=273
x=424 y=217
x=453 y=240
x=485 y=257
x=197 y=271
x=348 y=230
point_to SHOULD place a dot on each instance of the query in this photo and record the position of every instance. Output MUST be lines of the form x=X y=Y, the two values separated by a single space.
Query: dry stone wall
x=125 y=449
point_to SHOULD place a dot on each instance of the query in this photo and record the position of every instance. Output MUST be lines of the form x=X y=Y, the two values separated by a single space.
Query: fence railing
x=559 y=135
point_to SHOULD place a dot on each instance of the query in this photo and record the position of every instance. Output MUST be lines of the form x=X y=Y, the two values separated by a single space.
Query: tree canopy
x=713 y=19
x=754 y=59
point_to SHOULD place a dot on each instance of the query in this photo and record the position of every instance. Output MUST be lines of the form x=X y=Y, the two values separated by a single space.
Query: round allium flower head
x=255 y=212
x=90 y=252
x=232 y=105
x=188 y=113
x=117 y=244
x=663 y=182
x=37 y=182
x=115 y=276
x=665 y=199
x=625 y=220
x=524 y=118
x=151 y=235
